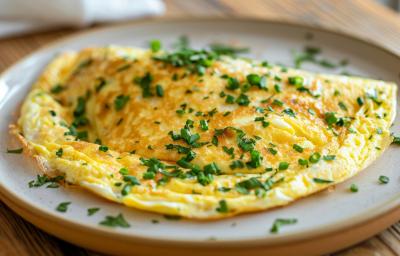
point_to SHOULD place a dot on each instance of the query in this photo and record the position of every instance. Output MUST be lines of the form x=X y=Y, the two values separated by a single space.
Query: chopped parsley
x=120 y=101
x=118 y=221
x=63 y=207
x=278 y=223
x=360 y=101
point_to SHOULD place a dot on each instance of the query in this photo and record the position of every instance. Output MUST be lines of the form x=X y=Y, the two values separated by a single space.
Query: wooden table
x=363 y=18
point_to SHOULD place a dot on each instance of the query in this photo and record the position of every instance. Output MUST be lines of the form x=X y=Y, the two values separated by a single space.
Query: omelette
x=200 y=134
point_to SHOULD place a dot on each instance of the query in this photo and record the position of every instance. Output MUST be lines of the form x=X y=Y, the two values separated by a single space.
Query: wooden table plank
x=363 y=18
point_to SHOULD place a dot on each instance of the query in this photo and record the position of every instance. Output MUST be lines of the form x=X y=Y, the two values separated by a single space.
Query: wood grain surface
x=362 y=18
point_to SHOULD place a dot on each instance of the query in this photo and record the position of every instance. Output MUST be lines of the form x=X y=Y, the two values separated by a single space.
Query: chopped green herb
x=120 y=101
x=15 y=151
x=172 y=217
x=360 y=101
x=123 y=67
x=230 y=99
x=277 y=102
x=322 y=181
x=204 y=125
x=354 y=188
x=52 y=112
x=384 y=179
x=145 y=83
x=314 y=158
x=118 y=221
x=278 y=223
x=296 y=80
x=159 y=90
x=277 y=88
x=283 y=166
x=229 y=151
x=92 y=211
x=342 y=106
x=222 y=49
x=303 y=162
x=298 y=148
x=223 y=207
x=233 y=84
x=63 y=207
x=155 y=45
x=243 y=100
x=329 y=157
x=289 y=112
x=59 y=152
x=103 y=148
x=330 y=118
x=42 y=180
x=396 y=140
x=57 y=89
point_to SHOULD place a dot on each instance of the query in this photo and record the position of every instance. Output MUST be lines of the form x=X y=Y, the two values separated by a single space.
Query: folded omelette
x=199 y=134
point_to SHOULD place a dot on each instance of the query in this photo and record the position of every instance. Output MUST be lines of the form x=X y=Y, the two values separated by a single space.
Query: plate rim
x=361 y=220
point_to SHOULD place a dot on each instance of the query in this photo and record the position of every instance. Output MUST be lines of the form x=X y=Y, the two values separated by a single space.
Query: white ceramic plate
x=322 y=218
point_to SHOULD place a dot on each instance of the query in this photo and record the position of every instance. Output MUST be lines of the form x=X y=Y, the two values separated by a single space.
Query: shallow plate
x=326 y=221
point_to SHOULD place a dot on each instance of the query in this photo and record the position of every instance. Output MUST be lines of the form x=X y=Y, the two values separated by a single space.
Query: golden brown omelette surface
x=200 y=135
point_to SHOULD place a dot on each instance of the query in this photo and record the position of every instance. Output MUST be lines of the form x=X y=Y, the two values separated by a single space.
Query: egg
x=200 y=135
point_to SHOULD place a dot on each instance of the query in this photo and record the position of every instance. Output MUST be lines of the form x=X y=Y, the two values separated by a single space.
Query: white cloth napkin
x=21 y=16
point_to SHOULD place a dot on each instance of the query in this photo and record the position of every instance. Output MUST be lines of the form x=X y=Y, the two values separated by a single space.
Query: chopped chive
x=159 y=90
x=59 y=152
x=15 y=151
x=223 y=207
x=155 y=45
x=92 y=211
x=384 y=179
x=63 y=207
x=329 y=157
x=278 y=223
x=283 y=166
x=322 y=181
x=354 y=188
x=298 y=148
x=118 y=221
x=103 y=148
x=204 y=125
